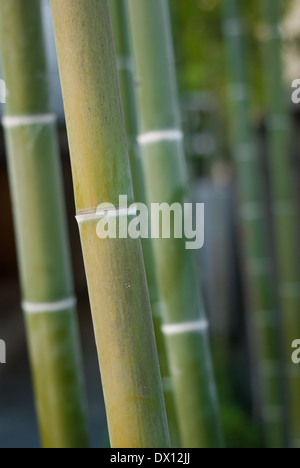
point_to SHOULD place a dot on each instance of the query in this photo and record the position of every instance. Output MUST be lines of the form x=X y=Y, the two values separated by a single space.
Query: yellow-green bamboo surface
x=119 y=17
x=114 y=267
x=40 y=222
x=185 y=323
x=284 y=204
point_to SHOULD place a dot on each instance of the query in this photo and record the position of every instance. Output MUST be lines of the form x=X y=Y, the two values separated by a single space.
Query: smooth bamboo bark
x=284 y=205
x=185 y=323
x=40 y=222
x=114 y=267
x=252 y=210
x=119 y=16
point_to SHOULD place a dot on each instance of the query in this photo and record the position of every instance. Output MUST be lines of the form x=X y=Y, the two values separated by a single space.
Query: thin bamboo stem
x=40 y=223
x=185 y=323
x=252 y=211
x=114 y=267
x=284 y=205
x=119 y=17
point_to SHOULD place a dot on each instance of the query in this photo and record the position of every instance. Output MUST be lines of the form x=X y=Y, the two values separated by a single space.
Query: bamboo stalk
x=119 y=16
x=40 y=222
x=252 y=211
x=284 y=205
x=185 y=323
x=114 y=267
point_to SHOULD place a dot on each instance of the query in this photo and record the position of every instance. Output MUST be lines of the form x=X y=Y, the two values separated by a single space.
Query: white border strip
x=43 y=307
x=160 y=135
x=109 y=213
x=13 y=121
x=185 y=327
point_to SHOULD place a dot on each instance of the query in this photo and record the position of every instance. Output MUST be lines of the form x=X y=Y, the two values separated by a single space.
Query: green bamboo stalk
x=256 y=246
x=40 y=222
x=119 y=16
x=284 y=204
x=185 y=323
x=114 y=267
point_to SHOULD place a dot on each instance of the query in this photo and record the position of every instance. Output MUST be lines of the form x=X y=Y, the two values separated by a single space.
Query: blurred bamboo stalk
x=185 y=324
x=40 y=222
x=252 y=211
x=114 y=267
x=119 y=17
x=284 y=203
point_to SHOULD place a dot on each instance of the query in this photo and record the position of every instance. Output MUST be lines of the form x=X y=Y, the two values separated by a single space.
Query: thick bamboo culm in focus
x=256 y=246
x=40 y=223
x=284 y=204
x=185 y=323
x=119 y=17
x=114 y=267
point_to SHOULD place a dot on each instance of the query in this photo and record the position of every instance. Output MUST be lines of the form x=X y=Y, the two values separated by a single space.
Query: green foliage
x=200 y=49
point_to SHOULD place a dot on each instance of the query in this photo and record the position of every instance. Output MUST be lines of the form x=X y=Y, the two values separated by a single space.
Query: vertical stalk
x=40 y=222
x=252 y=211
x=253 y=222
x=284 y=205
x=119 y=16
x=114 y=267
x=185 y=324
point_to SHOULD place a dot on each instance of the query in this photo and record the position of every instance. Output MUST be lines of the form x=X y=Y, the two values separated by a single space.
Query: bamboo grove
x=284 y=207
x=40 y=223
x=119 y=17
x=114 y=268
x=151 y=313
x=166 y=180
x=252 y=213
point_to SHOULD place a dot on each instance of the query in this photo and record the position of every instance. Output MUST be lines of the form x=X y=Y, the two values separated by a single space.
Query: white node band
x=185 y=327
x=244 y=153
x=290 y=289
x=167 y=384
x=238 y=92
x=278 y=122
x=269 y=368
x=272 y=412
x=265 y=319
x=125 y=63
x=109 y=213
x=251 y=211
x=43 y=307
x=14 y=121
x=159 y=136
x=259 y=266
x=233 y=27
x=284 y=208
